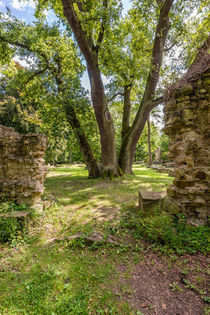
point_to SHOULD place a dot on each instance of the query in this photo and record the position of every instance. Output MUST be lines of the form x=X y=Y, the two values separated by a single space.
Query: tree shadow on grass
x=76 y=189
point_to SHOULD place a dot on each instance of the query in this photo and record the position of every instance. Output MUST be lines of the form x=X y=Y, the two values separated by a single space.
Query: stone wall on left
x=22 y=166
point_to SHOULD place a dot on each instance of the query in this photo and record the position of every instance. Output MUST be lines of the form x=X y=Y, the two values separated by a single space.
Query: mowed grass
x=40 y=277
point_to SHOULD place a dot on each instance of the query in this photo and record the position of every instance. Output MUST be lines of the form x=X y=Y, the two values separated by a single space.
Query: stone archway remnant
x=22 y=166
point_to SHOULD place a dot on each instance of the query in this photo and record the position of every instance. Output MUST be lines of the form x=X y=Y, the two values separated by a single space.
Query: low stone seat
x=18 y=215
x=149 y=199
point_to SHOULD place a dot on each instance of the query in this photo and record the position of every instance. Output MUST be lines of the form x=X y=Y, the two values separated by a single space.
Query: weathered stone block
x=169 y=205
x=149 y=199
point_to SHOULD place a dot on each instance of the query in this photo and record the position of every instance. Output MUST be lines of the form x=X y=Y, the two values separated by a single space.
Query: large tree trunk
x=106 y=126
x=90 y=52
x=149 y=141
x=126 y=164
x=126 y=110
x=125 y=128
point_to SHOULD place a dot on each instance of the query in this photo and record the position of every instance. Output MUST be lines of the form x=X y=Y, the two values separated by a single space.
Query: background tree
x=51 y=53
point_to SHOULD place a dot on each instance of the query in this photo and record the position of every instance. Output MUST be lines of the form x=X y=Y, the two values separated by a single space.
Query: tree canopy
x=140 y=54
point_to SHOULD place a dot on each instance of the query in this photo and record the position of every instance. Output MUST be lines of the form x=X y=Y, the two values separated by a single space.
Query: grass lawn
x=38 y=276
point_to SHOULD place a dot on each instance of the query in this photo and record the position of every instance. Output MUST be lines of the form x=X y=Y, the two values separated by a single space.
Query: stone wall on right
x=187 y=123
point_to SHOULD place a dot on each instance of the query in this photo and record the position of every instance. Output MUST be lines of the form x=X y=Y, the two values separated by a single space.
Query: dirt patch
x=160 y=286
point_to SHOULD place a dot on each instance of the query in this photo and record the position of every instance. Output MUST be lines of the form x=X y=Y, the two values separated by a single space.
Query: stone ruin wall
x=187 y=119
x=22 y=167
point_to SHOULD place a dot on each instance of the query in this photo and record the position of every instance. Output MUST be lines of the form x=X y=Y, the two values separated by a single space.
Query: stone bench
x=149 y=199
x=25 y=215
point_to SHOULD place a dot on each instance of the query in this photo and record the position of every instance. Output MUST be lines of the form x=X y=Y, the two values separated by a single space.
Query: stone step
x=16 y=214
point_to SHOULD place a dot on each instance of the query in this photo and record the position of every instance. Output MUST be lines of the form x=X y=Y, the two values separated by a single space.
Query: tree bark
x=149 y=141
x=84 y=145
x=126 y=126
x=126 y=110
x=105 y=124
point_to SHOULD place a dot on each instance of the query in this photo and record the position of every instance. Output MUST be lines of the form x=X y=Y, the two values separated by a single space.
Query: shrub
x=173 y=232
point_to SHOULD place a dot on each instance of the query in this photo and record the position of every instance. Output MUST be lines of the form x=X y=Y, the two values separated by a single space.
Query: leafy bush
x=10 y=228
x=173 y=232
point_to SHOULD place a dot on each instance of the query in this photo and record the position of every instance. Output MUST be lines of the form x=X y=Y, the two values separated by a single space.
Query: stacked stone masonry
x=187 y=123
x=22 y=167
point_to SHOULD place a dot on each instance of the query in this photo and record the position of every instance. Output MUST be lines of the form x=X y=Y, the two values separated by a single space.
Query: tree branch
x=36 y=74
x=115 y=95
x=102 y=29
x=170 y=47
x=126 y=110
x=26 y=47
x=157 y=53
x=157 y=102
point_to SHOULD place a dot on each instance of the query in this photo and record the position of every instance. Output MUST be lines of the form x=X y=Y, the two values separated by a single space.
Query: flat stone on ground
x=16 y=214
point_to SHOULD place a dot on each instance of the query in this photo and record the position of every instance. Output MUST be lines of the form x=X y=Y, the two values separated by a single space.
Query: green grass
x=97 y=198
x=56 y=280
x=37 y=277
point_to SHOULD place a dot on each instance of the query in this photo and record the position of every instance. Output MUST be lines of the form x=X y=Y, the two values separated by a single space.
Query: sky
x=24 y=10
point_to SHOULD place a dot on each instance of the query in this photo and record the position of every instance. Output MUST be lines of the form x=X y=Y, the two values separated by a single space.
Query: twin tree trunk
x=130 y=140
x=106 y=127
x=130 y=135
x=128 y=146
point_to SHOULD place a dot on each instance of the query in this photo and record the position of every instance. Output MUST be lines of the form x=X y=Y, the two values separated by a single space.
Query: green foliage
x=31 y=100
x=175 y=287
x=164 y=143
x=173 y=232
x=157 y=138
x=10 y=228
